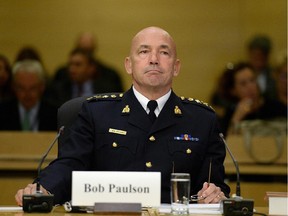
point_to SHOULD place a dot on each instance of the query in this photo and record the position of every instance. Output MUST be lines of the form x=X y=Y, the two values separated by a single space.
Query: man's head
x=152 y=61
x=81 y=66
x=259 y=49
x=28 y=82
x=86 y=41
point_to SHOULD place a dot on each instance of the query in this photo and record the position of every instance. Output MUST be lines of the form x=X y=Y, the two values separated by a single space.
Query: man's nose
x=154 y=59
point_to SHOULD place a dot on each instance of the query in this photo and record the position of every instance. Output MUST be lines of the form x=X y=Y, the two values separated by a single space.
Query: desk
x=265 y=148
x=59 y=211
x=20 y=154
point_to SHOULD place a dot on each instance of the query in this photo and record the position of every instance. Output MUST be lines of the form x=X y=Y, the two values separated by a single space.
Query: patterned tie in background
x=152 y=104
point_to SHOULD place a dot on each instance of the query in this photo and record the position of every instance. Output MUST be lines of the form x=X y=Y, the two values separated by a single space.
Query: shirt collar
x=144 y=101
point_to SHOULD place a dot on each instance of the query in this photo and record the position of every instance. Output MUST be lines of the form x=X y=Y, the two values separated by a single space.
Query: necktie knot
x=152 y=104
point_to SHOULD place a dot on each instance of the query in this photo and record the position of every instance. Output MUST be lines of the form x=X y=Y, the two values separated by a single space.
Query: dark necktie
x=152 y=104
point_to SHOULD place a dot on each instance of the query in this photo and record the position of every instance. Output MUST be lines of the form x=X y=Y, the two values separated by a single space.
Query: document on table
x=195 y=208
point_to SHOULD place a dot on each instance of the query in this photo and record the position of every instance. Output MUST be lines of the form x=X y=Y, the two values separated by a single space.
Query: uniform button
x=188 y=151
x=152 y=138
x=148 y=164
x=115 y=144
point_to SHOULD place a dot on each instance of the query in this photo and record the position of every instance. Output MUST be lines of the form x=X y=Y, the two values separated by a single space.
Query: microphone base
x=237 y=207
x=38 y=203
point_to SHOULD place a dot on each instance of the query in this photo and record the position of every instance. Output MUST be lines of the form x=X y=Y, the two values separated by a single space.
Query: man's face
x=28 y=88
x=152 y=62
x=258 y=59
x=79 y=68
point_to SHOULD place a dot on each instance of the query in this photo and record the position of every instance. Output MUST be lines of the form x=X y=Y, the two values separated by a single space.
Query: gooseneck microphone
x=236 y=206
x=39 y=202
x=238 y=191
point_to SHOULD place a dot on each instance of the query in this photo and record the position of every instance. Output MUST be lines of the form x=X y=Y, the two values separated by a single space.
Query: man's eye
x=164 y=52
x=143 y=51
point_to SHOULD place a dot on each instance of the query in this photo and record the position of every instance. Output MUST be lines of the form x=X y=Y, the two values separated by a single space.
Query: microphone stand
x=39 y=202
x=236 y=206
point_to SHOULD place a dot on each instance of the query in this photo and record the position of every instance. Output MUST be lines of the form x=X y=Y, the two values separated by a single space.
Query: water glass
x=180 y=193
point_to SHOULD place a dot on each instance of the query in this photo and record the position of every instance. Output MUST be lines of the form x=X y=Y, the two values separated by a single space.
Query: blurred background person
x=28 y=111
x=259 y=50
x=6 y=92
x=81 y=79
x=238 y=86
x=31 y=53
x=281 y=81
x=87 y=42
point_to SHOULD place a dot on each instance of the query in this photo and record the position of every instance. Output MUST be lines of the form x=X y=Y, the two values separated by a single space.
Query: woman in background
x=238 y=85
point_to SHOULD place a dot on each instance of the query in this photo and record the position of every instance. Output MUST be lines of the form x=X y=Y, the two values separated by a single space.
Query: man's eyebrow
x=143 y=46
x=163 y=46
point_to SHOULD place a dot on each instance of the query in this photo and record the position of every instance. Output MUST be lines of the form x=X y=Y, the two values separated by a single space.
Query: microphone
x=39 y=202
x=238 y=191
x=236 y=206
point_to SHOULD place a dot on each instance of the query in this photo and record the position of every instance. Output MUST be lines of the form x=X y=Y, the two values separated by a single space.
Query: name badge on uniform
x=116 y=131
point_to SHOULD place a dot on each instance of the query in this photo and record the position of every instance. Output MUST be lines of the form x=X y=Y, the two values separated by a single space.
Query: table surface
x=59 y=211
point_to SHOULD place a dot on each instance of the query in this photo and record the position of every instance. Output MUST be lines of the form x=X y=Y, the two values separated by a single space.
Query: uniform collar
x=144 y=101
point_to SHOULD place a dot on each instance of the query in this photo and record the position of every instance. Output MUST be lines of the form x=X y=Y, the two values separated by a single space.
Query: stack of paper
x=277 y=203
x=195 y=208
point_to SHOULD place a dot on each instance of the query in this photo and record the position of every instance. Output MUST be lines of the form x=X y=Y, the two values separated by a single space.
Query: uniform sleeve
x=74 y=154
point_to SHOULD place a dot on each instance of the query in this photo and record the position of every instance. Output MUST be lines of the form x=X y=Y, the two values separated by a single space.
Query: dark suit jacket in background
x=10 y=116
x=60 y=88
x=89 y=146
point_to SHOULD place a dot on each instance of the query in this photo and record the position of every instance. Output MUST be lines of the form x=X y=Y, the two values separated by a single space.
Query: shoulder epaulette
x=197 y=102
x=108 y=96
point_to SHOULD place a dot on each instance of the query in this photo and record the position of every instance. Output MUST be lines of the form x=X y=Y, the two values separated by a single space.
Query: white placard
x=89 y=187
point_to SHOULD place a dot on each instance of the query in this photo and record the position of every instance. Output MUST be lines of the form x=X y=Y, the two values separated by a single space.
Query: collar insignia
x=126 y=110
x=177 y=111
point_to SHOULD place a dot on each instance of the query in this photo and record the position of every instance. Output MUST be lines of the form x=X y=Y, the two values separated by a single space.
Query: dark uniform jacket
x=184 y=138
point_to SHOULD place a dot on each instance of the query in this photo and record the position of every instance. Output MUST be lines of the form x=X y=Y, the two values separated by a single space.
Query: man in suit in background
x=148 y=128
x=83 y=77
x=28 y=111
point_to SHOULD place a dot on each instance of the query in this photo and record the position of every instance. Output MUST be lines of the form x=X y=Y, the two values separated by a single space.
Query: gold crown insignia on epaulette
x=197 y=101
x=105 y=96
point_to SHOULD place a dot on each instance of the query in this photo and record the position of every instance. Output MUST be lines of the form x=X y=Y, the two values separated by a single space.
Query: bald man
x=180 y=135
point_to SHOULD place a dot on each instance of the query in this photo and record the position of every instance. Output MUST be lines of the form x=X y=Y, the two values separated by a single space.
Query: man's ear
x=177 y=66
x=128 y=65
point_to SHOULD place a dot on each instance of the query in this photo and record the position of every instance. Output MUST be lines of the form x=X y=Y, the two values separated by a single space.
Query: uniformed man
x=121 y=132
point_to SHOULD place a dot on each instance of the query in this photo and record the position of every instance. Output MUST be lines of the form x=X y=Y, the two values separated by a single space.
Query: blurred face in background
x=245 y=84
x=80 y=70
x=28 y=88
x=258 y=59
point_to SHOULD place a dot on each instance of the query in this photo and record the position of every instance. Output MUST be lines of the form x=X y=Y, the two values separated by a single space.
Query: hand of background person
x=243 y=108
x=28 y=190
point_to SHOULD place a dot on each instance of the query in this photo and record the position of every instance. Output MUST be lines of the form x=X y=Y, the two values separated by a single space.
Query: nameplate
x=90 y=187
